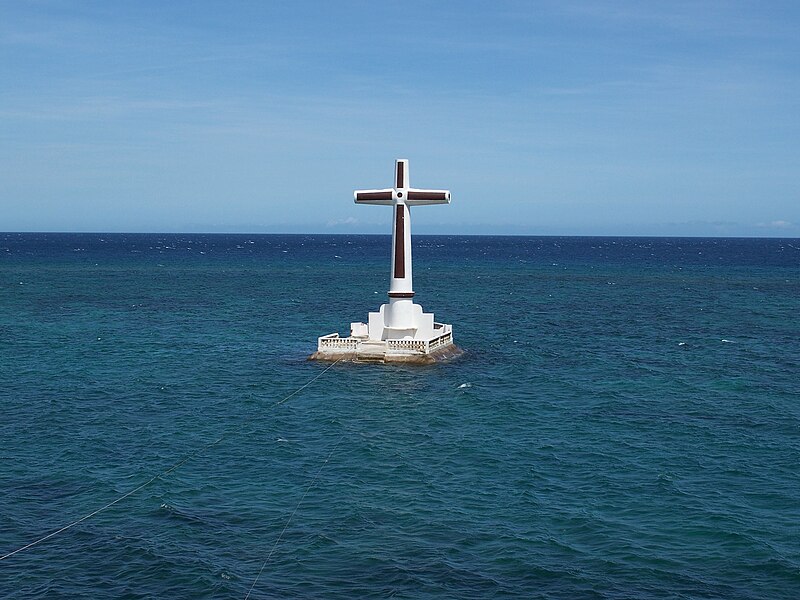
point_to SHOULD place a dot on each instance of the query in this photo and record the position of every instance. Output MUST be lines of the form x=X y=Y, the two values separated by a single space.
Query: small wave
x=464 y=386
x=172 y=512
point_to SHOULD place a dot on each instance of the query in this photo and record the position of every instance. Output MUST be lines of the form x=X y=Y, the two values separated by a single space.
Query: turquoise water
x=625 y=422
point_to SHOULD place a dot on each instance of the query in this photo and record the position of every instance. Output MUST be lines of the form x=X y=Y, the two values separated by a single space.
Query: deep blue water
x=625 y=422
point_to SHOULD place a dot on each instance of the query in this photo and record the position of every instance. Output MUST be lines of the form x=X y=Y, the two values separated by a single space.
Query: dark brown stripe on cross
x=373 y=196
x=400 y=173
x=401 y=294
x=400 y=242
x=427 y=195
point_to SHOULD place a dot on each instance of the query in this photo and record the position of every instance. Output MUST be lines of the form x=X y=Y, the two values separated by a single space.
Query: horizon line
x=343 y=234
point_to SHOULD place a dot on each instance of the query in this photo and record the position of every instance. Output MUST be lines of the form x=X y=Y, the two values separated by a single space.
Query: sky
x=542 y=118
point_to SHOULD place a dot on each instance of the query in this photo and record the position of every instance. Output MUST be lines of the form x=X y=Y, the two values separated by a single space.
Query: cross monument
x=399 y=330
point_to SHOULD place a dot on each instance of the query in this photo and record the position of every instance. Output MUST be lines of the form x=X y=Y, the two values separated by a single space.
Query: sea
x=624 y=421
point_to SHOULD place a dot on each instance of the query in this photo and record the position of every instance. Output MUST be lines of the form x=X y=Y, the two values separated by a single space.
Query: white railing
x=334 y=342
x=421 y=346
x=408 y=345
x=442 y=340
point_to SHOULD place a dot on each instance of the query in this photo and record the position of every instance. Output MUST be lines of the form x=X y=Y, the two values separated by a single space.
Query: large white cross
x=401 y=196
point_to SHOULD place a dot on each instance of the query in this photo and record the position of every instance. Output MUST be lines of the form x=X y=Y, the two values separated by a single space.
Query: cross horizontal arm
x=415 y=197
x=385 y=197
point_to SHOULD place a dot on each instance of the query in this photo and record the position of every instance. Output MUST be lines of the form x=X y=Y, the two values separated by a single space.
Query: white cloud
x=341 y=222
x=777 y=224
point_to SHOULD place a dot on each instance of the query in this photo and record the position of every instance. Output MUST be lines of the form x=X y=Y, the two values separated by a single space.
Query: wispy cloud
x=779 y=224
x=347 y=222
x=696 y=17
x=97 y=107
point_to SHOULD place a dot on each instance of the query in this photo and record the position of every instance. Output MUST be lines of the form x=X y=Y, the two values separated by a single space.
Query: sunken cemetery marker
x=400 y=330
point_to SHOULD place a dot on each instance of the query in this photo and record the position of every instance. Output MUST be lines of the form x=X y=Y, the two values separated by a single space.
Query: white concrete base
x=398 y=331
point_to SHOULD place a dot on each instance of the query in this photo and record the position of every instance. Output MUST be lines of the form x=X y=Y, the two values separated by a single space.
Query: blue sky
x=599 y=118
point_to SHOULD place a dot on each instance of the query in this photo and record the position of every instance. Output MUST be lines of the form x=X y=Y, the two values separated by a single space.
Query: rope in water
x=166 y=472
x=289 y=520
